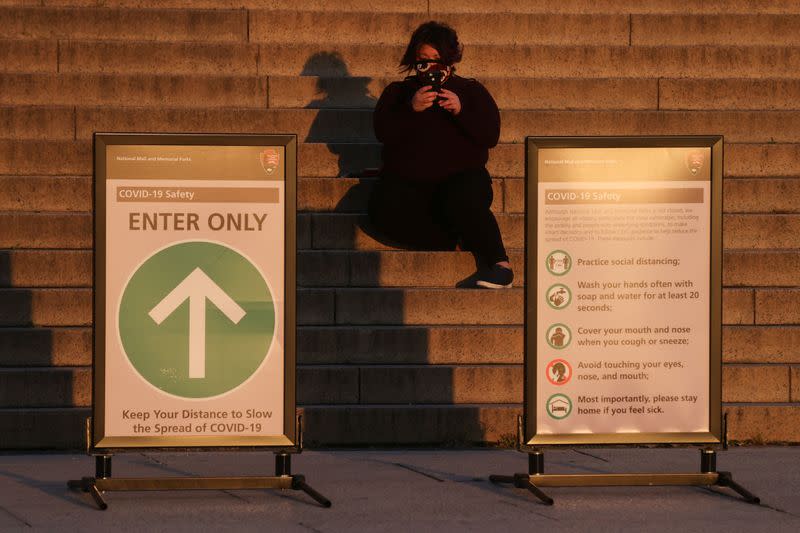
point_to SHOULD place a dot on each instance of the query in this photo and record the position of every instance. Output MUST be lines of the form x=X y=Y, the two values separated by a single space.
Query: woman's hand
x=450 y=101
x=423 y=99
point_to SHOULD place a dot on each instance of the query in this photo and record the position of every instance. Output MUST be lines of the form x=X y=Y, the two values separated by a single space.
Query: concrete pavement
x=405 y=490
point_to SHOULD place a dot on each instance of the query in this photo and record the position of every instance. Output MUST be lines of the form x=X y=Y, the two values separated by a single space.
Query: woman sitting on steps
x=436 y=129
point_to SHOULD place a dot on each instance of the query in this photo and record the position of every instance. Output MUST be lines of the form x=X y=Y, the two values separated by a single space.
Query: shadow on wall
x=336 y=90
x=25 y=380
x=392 y=366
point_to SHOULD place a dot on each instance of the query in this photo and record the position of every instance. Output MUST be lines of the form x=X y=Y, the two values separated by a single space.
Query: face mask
x=432 y=72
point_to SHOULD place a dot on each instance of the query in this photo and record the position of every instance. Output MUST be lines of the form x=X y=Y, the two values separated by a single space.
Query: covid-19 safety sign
x=623 y=315
x=194 y=291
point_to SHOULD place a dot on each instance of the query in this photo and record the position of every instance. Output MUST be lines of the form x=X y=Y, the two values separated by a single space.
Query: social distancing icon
x=558 y=262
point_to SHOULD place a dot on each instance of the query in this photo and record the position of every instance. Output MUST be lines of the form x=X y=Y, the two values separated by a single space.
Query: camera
x=434 y=78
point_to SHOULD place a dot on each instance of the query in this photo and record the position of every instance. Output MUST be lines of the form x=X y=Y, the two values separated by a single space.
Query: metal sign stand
x=535 y=478
x=283 y=478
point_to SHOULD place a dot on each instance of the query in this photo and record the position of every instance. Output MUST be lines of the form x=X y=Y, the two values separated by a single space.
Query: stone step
x=315 y=92
x=437 y=7
x=777 y=306
x=47 y=429
x=73 y=268
x=310 y=125
x=442 y=384
x=509 y=93
x=365 y=425
x=45 y=387
x=391 y=268
x=320 y=28
x=73 y=307
x=392 y=345
x=52 y=158
x=729 y=94
x=396 y=28
x=351 y=195
x=378 y=385
x=45 y=230
x=542 y=61
x=28 y=428
x=761 y=268
x=393 y=28
x=133 y=90
x=325 y=345
x=323 y=160
x=762 y=195
x=294 y=25
x=374 y=307
x=390 y=6
x=234 y=59
x=451 y=425
x=354 y=125
x=617 y=6
x=28 y=56
x=45 y=268
x=37 y=122
x=756 y=383
x=413 y=306
x=327 y=231
x=41 y=269
x=123 y=24
x=761 y=344
x=417 y=384
x=371 y=60
x=45 y=193
x=761 y=232
x=345 y=231
x=45 y=347
x=45 y=307
x=469 y=424
x=720 y=29
x=736 y=126
x=741 y=195
x=341 y=231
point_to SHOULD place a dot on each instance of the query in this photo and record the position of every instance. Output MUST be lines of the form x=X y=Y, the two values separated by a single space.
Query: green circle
x=547 y=262
x=234 y=350
x=569 y=406
x=551 y=304
x=547 y=336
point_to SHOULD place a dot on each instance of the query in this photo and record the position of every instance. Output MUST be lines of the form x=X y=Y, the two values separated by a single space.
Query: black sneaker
x=497 y=277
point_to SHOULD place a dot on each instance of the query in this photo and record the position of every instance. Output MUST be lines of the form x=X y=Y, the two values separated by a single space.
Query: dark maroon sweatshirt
x=434 y=144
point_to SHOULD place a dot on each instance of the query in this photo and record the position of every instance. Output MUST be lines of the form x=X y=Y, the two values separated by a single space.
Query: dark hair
x=438 y=35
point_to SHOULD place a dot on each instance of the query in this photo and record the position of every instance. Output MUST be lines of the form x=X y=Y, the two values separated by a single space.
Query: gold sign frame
x=715 y=435
x=290 y=439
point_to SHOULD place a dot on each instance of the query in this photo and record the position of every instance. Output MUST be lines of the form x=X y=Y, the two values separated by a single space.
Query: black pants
x=437 y=216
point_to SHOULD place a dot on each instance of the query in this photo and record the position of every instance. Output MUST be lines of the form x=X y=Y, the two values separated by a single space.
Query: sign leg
x=726 y=480
x=102 y=466
x=525 y=481
x=283 y=464
x=98 y=498
x=299 y=483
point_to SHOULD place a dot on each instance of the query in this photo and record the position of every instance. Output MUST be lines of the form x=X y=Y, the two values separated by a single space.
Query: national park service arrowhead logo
x=695 y=161
x=270 y=159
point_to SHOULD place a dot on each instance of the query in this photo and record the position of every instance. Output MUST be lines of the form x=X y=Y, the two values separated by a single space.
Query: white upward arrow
x=197 y=286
